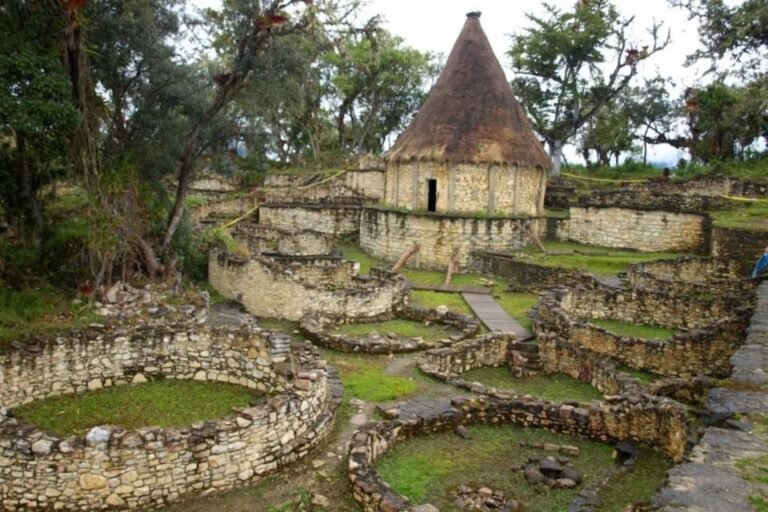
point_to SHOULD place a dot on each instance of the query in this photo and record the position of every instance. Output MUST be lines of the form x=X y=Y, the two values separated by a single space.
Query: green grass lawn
x=750 y=215
x=403 y=328
x=364 y=377
x=516 y=304
x=163 y=403
x=429 y=469
x=641 y=375
x=556 y=387
x=428 y=299
x=633 y=330
x=594 y=260
x=40 y=310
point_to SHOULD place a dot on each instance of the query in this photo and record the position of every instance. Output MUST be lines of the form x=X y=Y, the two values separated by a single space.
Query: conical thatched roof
x=471 y=114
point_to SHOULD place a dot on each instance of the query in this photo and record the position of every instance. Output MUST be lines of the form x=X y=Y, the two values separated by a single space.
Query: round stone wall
x=111 y=467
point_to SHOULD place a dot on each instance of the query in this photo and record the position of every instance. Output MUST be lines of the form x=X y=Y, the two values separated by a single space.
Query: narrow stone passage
x=493 y=317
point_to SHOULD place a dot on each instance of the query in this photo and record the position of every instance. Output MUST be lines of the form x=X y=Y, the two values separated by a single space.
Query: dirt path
x=323 y=472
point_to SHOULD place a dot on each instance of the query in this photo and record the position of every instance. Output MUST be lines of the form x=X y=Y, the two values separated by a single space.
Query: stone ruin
x=111 y=467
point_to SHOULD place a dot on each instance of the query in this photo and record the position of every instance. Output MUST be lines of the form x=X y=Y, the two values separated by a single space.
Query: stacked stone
x=151 y=467
x=658 y=422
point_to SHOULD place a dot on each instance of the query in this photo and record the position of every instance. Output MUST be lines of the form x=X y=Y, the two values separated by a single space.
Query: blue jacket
x=760 y=265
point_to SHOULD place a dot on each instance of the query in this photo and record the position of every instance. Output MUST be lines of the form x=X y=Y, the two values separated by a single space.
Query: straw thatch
x=471 y=114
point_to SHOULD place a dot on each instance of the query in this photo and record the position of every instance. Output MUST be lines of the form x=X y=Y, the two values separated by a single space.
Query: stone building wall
x=351 y=186
x=466 y=187
x=114 y=468
x=563 y=317
x=292 y=288
x=523 y=273
x=742 y=245
x=387 y=234
x=692 y=276
x=643 y=230
x=658 y=422
x=232 y=207
x=334 y=220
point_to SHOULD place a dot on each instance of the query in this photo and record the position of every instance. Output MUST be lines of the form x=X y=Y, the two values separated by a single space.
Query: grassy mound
x=403 y=328
x=557 y=387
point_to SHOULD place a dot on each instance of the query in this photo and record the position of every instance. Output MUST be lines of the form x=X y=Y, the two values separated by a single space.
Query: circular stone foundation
x=111 y=467
x=320 y=332
x=660 y=423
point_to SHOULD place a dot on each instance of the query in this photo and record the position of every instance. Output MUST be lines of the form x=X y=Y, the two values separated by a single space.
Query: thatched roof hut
x=471 y=114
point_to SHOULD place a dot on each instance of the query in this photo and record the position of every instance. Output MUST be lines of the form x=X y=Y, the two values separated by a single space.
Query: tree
x=570 y=65
x=36 y=112
x=740 y=31
x=377 y=84
x=254 y=23
x=656 y=118
x=608 y=134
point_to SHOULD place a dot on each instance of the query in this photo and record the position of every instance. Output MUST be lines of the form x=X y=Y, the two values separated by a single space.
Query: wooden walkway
x=477 y=290
x=496 y=319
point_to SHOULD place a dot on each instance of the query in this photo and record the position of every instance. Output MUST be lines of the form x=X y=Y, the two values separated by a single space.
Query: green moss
x=595 y=260
x=403 y=328
x=429 y=469
x=556 y=387
x=364 y=377
x=354 y=253
x=633 y=330
x=164 y=403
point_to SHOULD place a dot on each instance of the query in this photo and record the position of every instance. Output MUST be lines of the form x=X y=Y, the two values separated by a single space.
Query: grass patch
x=285 y=326
x=639 y=484
x=428 y=299
x=364 y=377
x=163 y=403
x=556 y=387
x=195 y=201
x=594 y=260
x=39 y=311
x=403 y=328
x=633 y=330
x=517 y=305
x=750 y=216
x=430 y=468
x=642 y=376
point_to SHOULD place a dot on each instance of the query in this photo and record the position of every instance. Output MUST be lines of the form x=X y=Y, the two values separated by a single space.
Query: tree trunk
x=27 y=190
x=556 y=153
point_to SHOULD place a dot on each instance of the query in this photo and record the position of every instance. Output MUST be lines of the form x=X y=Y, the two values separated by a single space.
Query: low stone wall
x=658 y=422
x=743 y=245
x=111 y=467
x=706 y=185
x=528 y=275
x=387 y=234
x=225 y=207
x=292 y=287
x=314 y=329
x=636 y=198
x=692 y=276
x=643 y=230
x=563 y=317
x=330 y=219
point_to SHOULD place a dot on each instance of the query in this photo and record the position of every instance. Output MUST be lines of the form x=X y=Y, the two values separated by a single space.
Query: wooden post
x=404 y=258
x=453 y=266
x=533 y=236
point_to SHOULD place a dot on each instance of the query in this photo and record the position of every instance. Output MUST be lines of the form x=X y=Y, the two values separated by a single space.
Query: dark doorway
x=432 y=195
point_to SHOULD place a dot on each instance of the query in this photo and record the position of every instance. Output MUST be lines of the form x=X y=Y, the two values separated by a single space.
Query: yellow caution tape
x=745 y=199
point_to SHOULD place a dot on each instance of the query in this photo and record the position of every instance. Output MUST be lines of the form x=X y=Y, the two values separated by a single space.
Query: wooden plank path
x=477 y=290
x=496 y=319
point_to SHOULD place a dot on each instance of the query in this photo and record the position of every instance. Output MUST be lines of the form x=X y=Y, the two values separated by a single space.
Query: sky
x=433 y=25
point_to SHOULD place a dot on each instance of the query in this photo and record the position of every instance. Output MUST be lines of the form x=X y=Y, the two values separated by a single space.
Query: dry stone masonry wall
x=692 y=276
x=643 y=230
x=658 y=422
x=290 y=288
x=111 y=467
x=387 y=234
x=335 y=220
x=564 y=313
